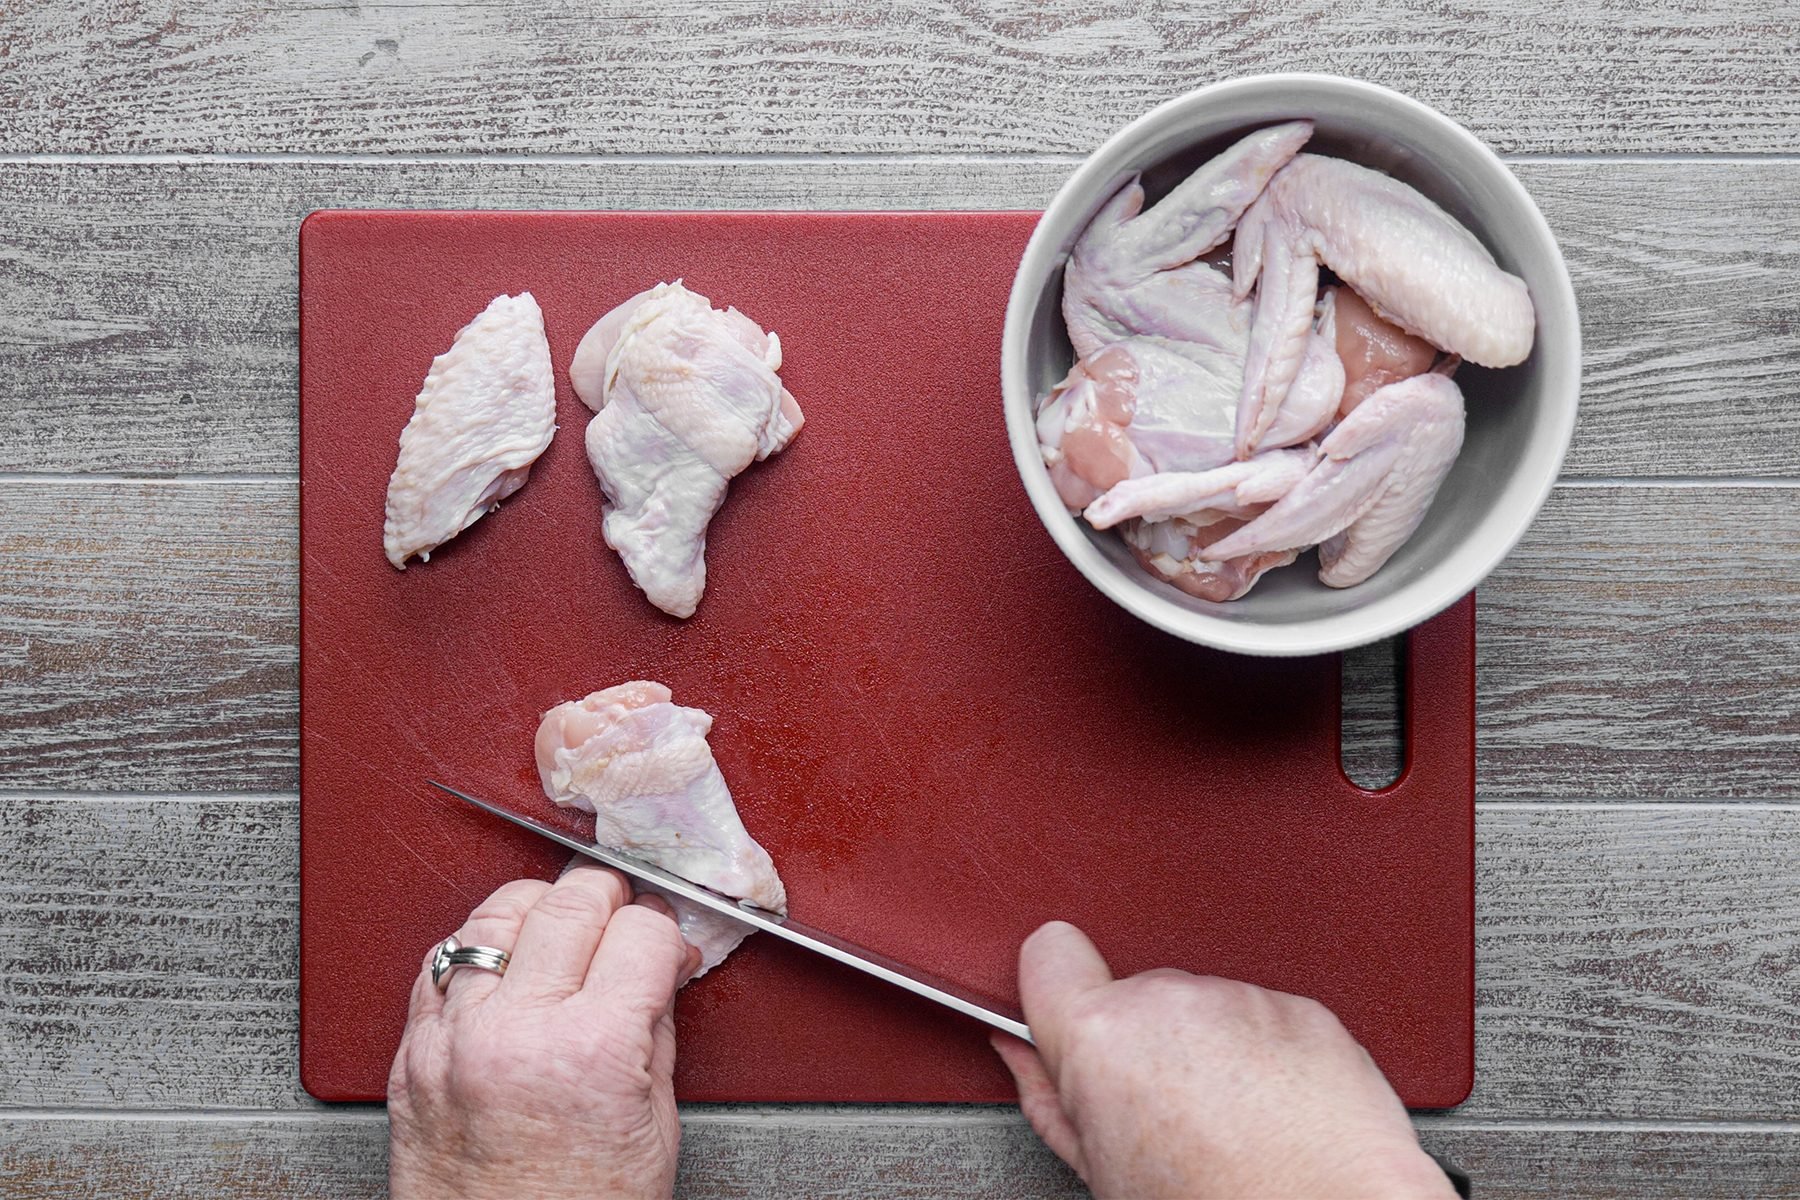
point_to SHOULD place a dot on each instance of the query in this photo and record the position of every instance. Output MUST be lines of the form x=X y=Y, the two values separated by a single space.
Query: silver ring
x=452 y=953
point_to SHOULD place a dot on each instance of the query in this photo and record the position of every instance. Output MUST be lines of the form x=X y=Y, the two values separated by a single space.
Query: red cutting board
x=943 y=735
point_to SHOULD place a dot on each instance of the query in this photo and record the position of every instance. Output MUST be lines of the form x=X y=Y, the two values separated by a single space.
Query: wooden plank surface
x=827 y=1155
x=1640 y=643
x=1637 y=962
x=149 y=952
x=1633 y=961
x=147 y=642
x=148 y=636
x=556 y=76
x=121 y=288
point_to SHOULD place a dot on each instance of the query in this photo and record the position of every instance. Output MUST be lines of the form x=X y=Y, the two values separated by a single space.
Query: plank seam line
x=300 y=1116
x=702 y=157
x=197 y=477
x=544 y=158
x=1680 y=481
x=802 y=1116
x=1721 y=482
x=1008 y=1115
x=1717 y=807
x=14 y=795
x=1453 y=1123
x=1507 y=803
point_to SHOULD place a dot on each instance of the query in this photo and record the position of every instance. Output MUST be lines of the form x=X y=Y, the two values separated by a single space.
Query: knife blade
x=902 y=975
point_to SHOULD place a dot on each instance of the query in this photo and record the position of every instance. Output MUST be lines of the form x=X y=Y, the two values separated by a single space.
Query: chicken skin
x=1135 y=272
x=1379 y=471
x=686 y=397
x=641 y=765
x=485 y=413
x=1416 y=267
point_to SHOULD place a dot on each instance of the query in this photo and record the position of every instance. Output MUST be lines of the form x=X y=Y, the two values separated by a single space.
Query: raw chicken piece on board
x=685 y=397
x=486 y=412
x=641 y=765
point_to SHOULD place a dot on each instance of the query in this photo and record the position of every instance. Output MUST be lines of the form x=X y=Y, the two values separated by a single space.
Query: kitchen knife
x=817 y=940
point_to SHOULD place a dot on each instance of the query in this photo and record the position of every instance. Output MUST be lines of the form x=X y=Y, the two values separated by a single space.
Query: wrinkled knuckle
x=1161 y=987
x=1137 y=1000
x=661 y=926
x=1218 y=995
x=1162 y=976
x=511 y=902
x=476 y=1067
x=586 y=870
x=421 y=1055
x=399 y=1081
x=584 y=904
x=620 y=1057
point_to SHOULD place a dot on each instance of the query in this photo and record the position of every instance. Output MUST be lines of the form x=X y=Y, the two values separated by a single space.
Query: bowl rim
x=1317 y=635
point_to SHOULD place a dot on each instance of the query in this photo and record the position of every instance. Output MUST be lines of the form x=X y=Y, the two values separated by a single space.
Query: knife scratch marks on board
x=978 y=857
x=406 y=842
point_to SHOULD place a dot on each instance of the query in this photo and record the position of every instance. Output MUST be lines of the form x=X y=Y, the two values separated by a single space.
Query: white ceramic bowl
x=1519 y=420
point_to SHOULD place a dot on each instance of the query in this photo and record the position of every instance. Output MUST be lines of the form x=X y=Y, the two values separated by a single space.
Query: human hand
x=1170 y=1084
x=553 y=1080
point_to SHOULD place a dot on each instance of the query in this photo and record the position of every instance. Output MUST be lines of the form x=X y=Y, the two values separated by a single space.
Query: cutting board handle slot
x=1372 y=732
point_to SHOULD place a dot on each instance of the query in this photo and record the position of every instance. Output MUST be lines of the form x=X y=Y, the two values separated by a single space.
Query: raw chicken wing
x=687 y=396
x=1134 y=272
x=1237 y=489
x=1381 y=468
x=1145 y=406
x=1160 y=337
x=1134 y=408
x=486 y=412
x=1169 y=519
x=1411 y=261
x=641 y=765
x=1312 y=402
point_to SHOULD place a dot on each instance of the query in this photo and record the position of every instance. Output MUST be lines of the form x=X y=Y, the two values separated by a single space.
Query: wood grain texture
x=824 y=1155
x=148 y=636
x=1602 y=1164
x=1637 y=962
x=123 y=287
x=1640 y=643
x=148 y=630
x=1633 y=962
x=147 y=952
x=744 y=77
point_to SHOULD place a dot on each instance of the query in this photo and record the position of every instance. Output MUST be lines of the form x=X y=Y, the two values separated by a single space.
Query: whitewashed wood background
x=1639 y=688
